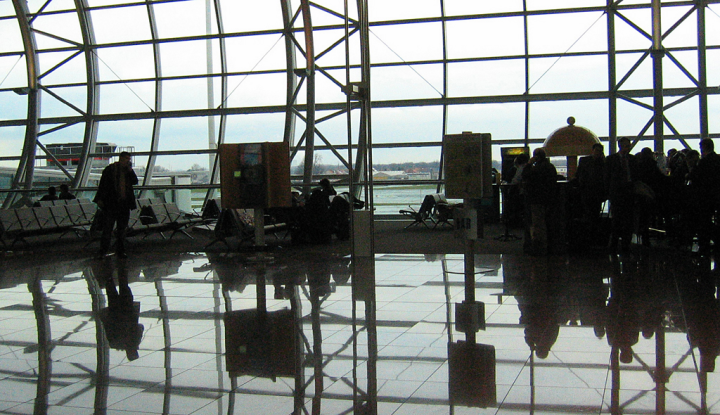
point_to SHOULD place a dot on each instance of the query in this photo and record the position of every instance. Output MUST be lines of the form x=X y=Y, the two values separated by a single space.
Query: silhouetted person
x=538 y=301
x=620 y=174
x=591 y=180
x=539 y=186
x=704 y=184
x=654 y=184
x=622 y=314
x=513 y=195
x=121 y=318
x=51 y=194
x=116 y=198
x=327 y=189
x=65 y=193
x=702 y=314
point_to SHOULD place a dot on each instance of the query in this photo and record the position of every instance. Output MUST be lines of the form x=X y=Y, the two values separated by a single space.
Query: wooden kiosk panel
x=255 y=175
x=468 y=166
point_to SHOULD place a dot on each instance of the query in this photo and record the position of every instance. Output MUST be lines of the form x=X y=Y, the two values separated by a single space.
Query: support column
x=658 y=53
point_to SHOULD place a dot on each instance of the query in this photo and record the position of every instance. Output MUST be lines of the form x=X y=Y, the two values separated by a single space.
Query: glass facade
x=173 y=79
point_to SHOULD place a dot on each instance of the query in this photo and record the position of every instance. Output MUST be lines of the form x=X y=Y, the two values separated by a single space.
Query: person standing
x=115 y=198
x=704 y=185
x=539 y=186
x=620 y=175
x=590 y=175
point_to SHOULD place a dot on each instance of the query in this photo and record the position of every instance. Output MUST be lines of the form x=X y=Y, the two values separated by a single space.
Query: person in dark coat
x=50 y=196
x=648 y=202
x=590 y=175
x=115 y=198
x=539 y=186
x=120 y=319
x=704 y=186
x=620 y=175
x=65 y=193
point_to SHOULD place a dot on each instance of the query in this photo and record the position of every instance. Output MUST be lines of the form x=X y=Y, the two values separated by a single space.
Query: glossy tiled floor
x=231 y=334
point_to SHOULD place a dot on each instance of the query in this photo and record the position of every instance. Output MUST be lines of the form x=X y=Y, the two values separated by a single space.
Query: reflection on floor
x=227 y=334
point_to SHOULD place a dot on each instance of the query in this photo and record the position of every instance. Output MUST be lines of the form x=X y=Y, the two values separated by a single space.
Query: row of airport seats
x=237 y=223
x=154 y=216
x=82 y=218
x=17 y=224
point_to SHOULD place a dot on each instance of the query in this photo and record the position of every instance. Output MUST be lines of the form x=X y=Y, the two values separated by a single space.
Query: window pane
x=256 y=53
x=632 y=118
x=562 y=4
x=475 y=38
x=131 y=133
x=129 y=97
x=503 y=121
x=402 y=9
x=626 y=36
x=52 y=107
x=684 y=116
x=114 y=63
x=461 y=7
x=183 y=134
x=12 y=107
x=673 y=76
x=683 y=35
x=406 y=82
x=403 y=125
x=546 y=117
x=183 y=58
x=486 y=78
x=250 y=15
x=406 y=43
x=72 y=71
x=641 y=78
x=257 y=90
x=64 y=25
x=180 y=19
x=11 y=144
x=184 y=94
x=578 y=32
x=121 y=25
x=255 y=128
x=568 y=74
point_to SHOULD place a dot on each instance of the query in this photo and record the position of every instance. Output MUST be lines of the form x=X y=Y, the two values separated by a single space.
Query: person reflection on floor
x=538 y=304
x=623 y=325
x=121 y=318
x=702 y=314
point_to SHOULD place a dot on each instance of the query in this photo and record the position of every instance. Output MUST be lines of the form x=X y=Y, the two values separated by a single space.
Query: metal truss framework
x=298 y=33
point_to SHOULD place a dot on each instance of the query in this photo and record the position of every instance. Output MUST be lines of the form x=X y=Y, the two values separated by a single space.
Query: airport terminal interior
x=426 y=297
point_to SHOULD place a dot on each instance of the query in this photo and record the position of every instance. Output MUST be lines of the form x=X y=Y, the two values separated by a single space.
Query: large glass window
x=195 y=73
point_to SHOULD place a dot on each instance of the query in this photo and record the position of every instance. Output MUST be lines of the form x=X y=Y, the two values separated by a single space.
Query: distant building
x=68 y=154
x=425 y=175
x=390 y=175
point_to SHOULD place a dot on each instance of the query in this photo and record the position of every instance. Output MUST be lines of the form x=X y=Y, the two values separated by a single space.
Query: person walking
x=115 y=199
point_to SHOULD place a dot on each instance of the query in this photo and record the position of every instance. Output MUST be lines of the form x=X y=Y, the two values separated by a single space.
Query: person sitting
x=327 y=189
x=51 y=194
x=65 y=193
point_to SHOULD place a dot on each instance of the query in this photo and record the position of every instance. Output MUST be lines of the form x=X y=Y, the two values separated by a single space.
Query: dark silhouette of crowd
x=678 y=195
x=615 y=200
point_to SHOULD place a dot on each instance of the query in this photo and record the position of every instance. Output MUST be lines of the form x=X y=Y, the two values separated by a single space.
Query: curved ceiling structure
x=173 y=79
